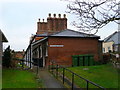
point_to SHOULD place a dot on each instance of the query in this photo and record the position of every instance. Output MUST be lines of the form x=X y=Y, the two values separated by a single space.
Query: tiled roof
x=113 y=37
x=4 y=39
x=72 y=33
x=42 y=35
x=69 y=33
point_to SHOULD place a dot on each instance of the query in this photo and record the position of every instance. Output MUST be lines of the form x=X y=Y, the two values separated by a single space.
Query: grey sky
x=18 y=19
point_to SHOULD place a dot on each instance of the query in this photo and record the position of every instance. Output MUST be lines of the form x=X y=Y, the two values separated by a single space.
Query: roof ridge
x=83 y=33
x=72 y=34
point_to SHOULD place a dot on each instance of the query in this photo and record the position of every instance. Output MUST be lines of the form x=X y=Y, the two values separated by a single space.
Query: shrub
x=7 y=57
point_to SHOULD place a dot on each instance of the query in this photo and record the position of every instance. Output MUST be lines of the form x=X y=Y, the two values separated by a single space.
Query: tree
x=94 y=14
x=7 y=57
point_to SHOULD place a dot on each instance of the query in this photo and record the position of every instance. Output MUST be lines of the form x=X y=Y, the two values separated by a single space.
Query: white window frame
x=46 y=52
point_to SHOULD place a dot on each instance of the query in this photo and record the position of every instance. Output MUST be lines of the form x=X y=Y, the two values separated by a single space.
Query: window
x=103 y=50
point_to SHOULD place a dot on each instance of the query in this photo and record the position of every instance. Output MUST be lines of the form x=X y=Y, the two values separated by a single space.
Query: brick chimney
x=52 y=25
x=41 y=27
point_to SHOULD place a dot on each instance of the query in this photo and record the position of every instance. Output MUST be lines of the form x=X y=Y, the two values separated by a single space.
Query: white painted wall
x=107 y=46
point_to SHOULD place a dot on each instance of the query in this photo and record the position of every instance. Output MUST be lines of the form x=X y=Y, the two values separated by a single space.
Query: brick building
x=19 y=54
x=54 y=42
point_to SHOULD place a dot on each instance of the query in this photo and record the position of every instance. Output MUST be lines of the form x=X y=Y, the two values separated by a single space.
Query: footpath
x=49 y=80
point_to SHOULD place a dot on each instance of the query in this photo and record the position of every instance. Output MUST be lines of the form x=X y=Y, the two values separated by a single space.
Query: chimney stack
x=53 y=24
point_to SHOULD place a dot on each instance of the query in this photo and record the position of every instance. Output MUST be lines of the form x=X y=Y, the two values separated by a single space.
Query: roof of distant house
x=69 y=33
x=115 y=37
x=4 y=39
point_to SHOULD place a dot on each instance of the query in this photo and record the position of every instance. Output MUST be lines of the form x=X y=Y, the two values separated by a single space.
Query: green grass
x=103 y=75
x=12 y=78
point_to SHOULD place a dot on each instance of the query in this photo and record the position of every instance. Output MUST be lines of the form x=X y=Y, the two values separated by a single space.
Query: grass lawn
x=103 y=75
x=12 y=78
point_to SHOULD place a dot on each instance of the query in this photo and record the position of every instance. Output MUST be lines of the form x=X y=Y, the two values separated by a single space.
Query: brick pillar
x=62 y=22
x=54 y=22
x=65 y=22
x=41 y=27
x=38 y=27
x=50 y=23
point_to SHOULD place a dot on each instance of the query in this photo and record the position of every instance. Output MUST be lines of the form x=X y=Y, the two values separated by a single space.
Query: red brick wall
x=72 y=46
x=19 y=55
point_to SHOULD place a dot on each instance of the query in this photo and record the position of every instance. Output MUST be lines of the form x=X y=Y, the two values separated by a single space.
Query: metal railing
x=34 y=63
x=54 y=67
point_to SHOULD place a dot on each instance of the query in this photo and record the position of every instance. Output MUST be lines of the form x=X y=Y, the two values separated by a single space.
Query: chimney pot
x=59 y=15
x=64 y=15
x=43 y=20
x=54 y=15
x=39 y=20
x=49 y=14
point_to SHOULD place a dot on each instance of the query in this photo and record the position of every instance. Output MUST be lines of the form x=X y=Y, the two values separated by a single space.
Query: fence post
x=52 y=68
x=22 y=64
x=57 y=71
x=49 y=66
x=87 y=85
x=72 y=81
x=63 y=74
x=37 y=66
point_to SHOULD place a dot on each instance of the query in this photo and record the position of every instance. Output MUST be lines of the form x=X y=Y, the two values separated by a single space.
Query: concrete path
x=49 y=80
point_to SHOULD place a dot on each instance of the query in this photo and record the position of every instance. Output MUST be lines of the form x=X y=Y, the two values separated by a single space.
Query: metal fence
x=35 y=63
x=54 y=69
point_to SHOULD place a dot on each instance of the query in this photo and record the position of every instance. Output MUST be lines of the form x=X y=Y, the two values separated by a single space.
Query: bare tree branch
x=95 y=14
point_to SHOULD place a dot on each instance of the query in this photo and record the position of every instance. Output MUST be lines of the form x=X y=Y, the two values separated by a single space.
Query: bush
x=7 y=57
x=106 y=58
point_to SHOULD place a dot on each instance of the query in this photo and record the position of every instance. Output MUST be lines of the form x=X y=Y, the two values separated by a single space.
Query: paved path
x=49 y=80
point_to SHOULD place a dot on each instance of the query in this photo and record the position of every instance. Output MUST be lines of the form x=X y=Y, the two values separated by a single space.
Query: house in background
x=54 y=42
x=112 y=43
x=2 y=39
x=108 y=46
x=19 y=54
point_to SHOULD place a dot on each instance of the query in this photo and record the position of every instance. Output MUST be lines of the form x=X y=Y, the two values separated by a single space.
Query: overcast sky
x=18 y=19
